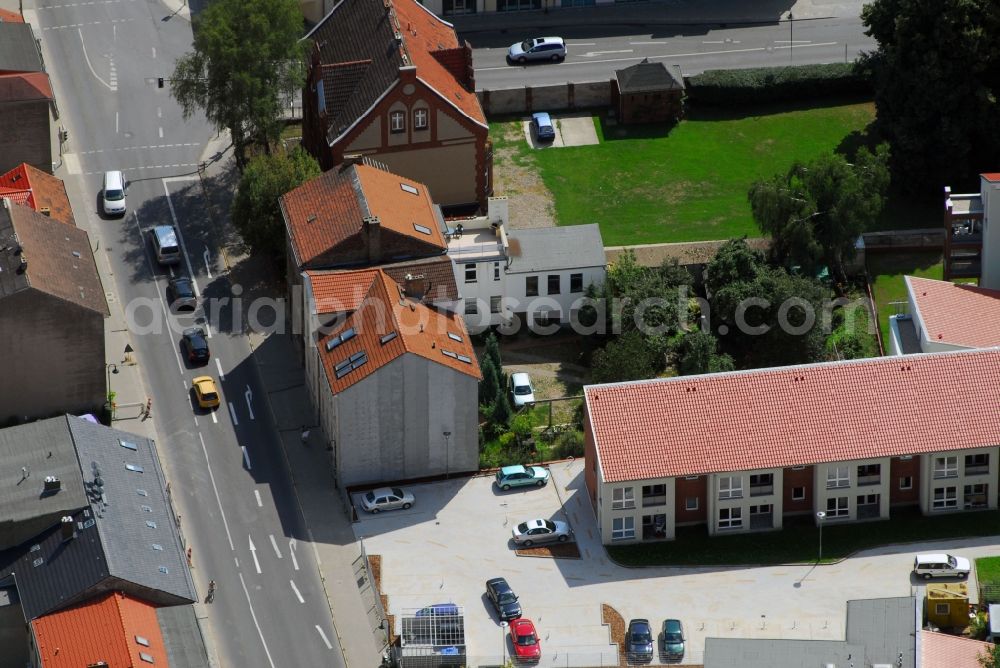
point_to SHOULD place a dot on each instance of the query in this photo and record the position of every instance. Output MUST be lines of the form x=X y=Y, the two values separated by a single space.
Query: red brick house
x=389 y=80
x=743 y=451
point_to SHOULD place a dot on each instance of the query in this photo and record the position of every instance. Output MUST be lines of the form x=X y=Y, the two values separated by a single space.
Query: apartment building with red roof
x=743 y=451
x=393 y=381
x=943 y=316
x=388 y=79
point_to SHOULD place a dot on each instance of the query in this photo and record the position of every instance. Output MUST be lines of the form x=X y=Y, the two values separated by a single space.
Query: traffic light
x=159 y=82
x=63 y=135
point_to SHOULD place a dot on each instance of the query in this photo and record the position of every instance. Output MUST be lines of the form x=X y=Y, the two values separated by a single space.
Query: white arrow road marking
x=208 y=267
x=218 y=364
x=232 y=412
x=249 y=396
x=246 y=456
x=591 y=54
x=323 y=636
x=260 y=504
x=296 y=590
x=274 y=544
x=253 y=553
x=291 y=552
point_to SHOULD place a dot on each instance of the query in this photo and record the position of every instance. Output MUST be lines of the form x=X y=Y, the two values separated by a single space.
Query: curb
x=578 y=21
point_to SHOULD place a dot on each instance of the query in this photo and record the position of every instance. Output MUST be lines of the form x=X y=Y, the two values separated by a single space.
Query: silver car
x=538 y=48
x=540 y=531
x=386 y=498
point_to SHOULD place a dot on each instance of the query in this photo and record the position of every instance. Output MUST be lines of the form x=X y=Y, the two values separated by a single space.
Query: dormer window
x=420 y=119
x=397 y=121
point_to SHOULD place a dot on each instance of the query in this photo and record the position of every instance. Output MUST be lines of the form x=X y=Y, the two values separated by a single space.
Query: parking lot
x=457 y=535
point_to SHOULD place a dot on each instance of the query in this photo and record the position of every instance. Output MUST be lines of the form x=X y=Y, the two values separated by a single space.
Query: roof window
x=423 y=229
x=128 y=445
x=346 y=335
x=448 y=353
x=350 y=364
x=388 y=337
x=408 y=188
x=454 y=337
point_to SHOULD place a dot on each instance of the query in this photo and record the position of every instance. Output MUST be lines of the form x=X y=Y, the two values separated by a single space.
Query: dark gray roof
x=886 y=627
x=29 y=453
x=361 y=60
x=182 y=637
x=647 y=77
x=757 y=653
x=13 y=631
x=18 y=52
x=555 y=248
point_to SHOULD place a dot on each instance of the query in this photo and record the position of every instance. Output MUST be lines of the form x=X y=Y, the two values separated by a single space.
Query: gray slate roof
x=886 y=627
x=556 y=248
x=18 y=52
x=182 y=637
x=647 y=77
x=43 y=448
x=125 y=540
x=756 y=653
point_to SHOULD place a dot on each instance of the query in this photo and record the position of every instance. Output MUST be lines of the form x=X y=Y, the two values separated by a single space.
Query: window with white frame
x=495 y=304
x=798 y=493
x=976 y=464
x=906 y=482
x=622 y=497
x=945 y=497
x=397 y=121
x=730 y=518
x=691 y=503
x=419 y=119
x=496 y=271
x=622 y=528
x=731 y=487
x=531 y=286
x=946 y=467
x=470 y=273
x=471 y=307
x=576 y=283
x=838 y=506
x=975 y=495
x=838 y=476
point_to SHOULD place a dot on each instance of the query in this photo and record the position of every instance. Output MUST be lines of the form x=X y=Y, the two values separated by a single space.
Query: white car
x=930 y=566
x=523 y=392
x=540 y=531
x=386 y=498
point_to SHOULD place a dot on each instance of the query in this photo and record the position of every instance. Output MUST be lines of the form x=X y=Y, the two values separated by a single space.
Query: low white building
x=536 y=277
x=941 y=316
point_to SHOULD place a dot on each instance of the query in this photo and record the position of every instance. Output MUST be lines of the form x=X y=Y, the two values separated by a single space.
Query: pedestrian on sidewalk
x=211 y=591
x=305 y=435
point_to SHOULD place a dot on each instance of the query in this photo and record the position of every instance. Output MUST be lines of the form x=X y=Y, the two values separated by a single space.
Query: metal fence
x=371 y=598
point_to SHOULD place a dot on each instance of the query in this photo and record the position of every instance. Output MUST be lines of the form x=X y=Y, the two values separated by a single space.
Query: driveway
x=457 y=536
x=574 y=128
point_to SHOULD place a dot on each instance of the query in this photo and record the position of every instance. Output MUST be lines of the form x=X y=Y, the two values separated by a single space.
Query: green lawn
x=647 y=185
x=799 y=541
x=988 y=570
x=887 y=271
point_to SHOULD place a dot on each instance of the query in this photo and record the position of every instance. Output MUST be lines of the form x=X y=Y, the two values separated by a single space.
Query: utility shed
x=649 y=93
x=947 y=604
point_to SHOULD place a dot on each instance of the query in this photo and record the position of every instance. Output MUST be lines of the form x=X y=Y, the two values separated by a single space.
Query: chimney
x=415 y=287
x=67 y=529
x=52 y=485
x=45 y=211
x=23 y=267
x=373 y=238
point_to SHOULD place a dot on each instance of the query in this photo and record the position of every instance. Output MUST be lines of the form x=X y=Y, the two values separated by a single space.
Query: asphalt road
x=594 y=53
x=227 y=473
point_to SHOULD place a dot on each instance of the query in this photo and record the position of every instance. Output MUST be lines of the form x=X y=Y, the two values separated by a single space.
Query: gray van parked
x=165 y=244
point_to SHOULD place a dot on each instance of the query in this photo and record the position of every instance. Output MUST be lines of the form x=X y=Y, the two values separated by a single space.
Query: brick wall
x=791 y=479
x=691 y=488
x=901 y=468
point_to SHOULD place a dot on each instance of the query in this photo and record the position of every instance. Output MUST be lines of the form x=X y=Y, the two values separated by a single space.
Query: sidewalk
x=323 y=510
x=655 y=13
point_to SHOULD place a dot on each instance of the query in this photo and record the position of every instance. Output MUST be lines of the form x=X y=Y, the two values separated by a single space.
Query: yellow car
x=205 y=392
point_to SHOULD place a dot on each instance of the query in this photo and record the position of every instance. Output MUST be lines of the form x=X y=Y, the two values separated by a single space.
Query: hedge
x=773 y=84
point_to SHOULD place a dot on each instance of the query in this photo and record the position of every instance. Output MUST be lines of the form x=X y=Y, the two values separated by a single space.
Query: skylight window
x=135 y=468
x=157 y=547
x=151 y=524
x=148 y=658
x=346 y=335
x=454 y=337
x=350 y=364
x=388 y=337
x=408 y=188
x=128 y=444
x=142 y=641
x=146 y=509
x=465 y=358
x=141 y=492
x=423 y=229
x=448 y=353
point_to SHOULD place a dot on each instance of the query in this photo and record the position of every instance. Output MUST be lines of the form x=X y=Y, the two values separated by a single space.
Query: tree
x=489 y=386
x=247 y=62
x=816 y=211
x=698 y=352
x=632 y=356
x=990 y=658
x=256 y=214
x=936 y=75
x=493 y=351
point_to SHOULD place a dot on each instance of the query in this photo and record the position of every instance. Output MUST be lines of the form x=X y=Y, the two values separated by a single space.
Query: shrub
x=772 y=84
x=568 y=444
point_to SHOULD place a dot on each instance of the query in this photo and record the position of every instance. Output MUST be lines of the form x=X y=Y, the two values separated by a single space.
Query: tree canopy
x=937 y=83
x=816 y=211
x=256 y=214
x=697 y=352
x=247 y=62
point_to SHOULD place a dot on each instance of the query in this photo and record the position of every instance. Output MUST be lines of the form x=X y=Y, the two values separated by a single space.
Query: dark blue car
x=542 y=125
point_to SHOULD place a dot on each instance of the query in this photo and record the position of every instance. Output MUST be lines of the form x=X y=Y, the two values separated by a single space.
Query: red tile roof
x=20 y=87
x=992 y=177
x=383 y=312
x=31 y=187
x=793 y=416
x=962 y=315
x=940 y=650
x=423 y=34
x=327 y=212
x=340 y=291
x=103 y=629
x=10 y=17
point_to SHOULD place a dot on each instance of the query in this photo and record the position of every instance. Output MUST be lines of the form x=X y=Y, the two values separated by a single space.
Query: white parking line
x=323 y=636
x=296 y=590
x=274 y=544
x=291 y=552
x=87 y=58
x=246 y=457
x=249 y=396
x=260 y=504
x=214 y=418
x=218 y=364
x=232 y=412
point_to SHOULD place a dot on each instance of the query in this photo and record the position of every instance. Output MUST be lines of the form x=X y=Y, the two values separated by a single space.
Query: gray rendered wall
x=559 y=97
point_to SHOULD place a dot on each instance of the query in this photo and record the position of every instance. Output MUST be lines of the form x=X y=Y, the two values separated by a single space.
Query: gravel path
x=531 y=203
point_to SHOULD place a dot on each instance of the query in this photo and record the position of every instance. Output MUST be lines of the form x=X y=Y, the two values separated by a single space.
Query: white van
x=168 y=251
x=113 y=193
x=929 y=566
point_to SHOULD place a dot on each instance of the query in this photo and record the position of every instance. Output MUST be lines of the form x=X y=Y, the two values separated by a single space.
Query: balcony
x=978 y=469
x=654 y=500
x=973 y=501
x=837 y=484
x=760 y=521
x=869 y=480
x=945 y=473
x=761 y=490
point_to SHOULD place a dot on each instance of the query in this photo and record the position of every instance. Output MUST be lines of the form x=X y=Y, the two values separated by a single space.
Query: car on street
x=205 y=392
x=522 y=476
x=929 y=566
x=503 y=598
x=639 y=641
x=386 y=498
x=521 y=390
x=524 y=638
x=113 y=193
x=194 y=343
x=180 y=294
x=673 y=639
x=541 y=124
x=537 y=48
x=540 y=531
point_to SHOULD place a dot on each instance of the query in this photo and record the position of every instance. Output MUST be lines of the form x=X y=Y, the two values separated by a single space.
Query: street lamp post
x=447 y=454
x=791 y=36
x=503 y=643
x=820 y=516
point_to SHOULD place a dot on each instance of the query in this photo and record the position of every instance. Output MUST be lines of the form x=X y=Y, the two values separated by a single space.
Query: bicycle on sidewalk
x=211 y=592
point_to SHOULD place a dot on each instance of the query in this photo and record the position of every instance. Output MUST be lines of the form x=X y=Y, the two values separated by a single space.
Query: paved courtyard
x=457 y=536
